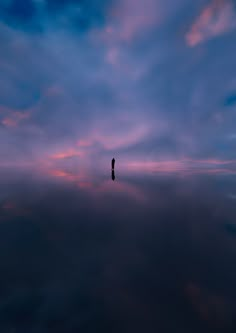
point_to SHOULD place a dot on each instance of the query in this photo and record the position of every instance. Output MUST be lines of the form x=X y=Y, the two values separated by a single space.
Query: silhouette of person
x=113 y=163
x=113 y=177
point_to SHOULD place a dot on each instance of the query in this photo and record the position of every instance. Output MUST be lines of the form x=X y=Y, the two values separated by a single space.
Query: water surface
x=150 y=253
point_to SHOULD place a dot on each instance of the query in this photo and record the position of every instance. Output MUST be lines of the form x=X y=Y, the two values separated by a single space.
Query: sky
x=150 y=82
x=153 y=84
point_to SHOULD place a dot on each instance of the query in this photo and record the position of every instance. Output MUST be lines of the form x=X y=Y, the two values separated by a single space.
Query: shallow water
x=150 y=253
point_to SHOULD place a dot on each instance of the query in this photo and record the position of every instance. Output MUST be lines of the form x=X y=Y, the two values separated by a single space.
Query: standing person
x=113 y=163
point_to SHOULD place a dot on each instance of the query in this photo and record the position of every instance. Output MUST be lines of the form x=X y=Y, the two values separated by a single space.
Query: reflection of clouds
x=124 y=188
x=66 y=175
x=75 y=253
x=210 y=307
x=162 y=166
x=230 y=228
x=88 y=177
x=86 y=180
x=12 y=208
x=232 y=196
x=185 y=166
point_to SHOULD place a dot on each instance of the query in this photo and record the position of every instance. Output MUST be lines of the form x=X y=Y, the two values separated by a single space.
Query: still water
x=138 y=253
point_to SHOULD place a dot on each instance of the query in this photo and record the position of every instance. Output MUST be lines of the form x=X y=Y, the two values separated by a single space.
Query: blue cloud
x=31 y=15
x=98 y=75
x=230 y=100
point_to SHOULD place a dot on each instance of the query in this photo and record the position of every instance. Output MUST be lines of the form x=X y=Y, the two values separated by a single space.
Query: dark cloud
x=19 y=10
x=19 y=14
x=33 y=15
x=230 y=100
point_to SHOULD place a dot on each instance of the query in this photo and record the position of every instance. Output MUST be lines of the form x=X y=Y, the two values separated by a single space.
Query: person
x=113 y=163
x=113 y=177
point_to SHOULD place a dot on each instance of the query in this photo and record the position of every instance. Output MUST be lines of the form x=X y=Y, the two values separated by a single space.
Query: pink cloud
x=134 y=17
x=182 y=166
x=216 y=19
x=8 y=122
x=84 y=143
x=210 y=161
x=120 y=131
x=128 y=19
x=13 y=117
x=67 y=154
x=13 y=208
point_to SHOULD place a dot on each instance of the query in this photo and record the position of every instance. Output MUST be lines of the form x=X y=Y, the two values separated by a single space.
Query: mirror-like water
x=137 y=254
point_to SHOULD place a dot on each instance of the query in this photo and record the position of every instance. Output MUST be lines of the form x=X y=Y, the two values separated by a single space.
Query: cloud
x=112 y=88
x=35 y=15
x=216 y=19
x=121 y=133
x=230 y=100
x=181 y=166
x=67 y=154
x=131 y=18
x=232 y=196
x=125 y=188
x=12 y=118
x=11 y=208
x=18 y=10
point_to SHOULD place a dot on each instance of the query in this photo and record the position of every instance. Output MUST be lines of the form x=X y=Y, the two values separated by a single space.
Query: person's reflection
x=113 y=177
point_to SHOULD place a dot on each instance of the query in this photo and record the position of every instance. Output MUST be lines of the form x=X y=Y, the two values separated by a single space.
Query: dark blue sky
x=143 y=80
